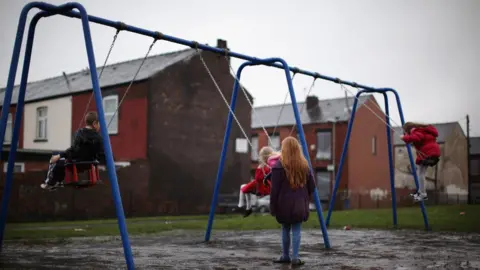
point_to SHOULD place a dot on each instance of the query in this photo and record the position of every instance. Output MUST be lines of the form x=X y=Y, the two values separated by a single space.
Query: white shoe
x=419 y=196
x=51 y=188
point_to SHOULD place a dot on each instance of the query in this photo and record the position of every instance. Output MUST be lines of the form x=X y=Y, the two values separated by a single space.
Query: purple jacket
x=289 y=206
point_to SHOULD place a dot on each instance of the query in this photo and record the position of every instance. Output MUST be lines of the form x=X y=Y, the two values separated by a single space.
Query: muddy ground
x=355 y=249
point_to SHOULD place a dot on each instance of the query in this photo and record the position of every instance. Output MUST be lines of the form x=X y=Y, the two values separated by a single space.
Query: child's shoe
x=297 y=262
x=419 y=196
x=51 y=187
x=247 y=213
x=282 y=260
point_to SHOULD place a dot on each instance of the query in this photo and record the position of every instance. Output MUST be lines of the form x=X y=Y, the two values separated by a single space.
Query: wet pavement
x=354 y=249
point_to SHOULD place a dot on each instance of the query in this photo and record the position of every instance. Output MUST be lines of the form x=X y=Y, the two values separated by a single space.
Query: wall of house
x=368 y=167
x=450 y=174
x=453 y=178
x=27 y=166
x=59 y=122
x=130 y=142
x=187 y=120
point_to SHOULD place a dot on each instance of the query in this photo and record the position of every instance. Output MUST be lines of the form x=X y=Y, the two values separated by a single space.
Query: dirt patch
x=355 y=249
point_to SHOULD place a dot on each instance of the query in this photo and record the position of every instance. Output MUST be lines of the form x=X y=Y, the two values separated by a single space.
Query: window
x=324 y=145
x=374 y=145
x=276 y=144
x=17 y=168
x=254 y=150
x=8 y=130
x=42 y=123
x=110 y=104
x=323 y=185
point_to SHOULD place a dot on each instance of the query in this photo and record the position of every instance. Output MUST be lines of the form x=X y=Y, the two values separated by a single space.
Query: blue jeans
x=296 y=230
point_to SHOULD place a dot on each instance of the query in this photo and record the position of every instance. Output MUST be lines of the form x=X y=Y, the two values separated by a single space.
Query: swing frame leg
x=384 y=92
x=49 y=10
x=300 y=131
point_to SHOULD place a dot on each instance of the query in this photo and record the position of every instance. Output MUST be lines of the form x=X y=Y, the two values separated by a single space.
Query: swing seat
x=74 y=168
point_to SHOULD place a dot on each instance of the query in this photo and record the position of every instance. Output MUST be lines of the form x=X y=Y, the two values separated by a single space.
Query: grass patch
x=441 y=218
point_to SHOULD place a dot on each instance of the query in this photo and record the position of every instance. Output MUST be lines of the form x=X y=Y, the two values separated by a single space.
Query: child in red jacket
x=257 y=185
x=424 y=139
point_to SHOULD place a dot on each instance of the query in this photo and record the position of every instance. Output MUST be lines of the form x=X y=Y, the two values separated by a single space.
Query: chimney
x=222 y=44
x=313 y=108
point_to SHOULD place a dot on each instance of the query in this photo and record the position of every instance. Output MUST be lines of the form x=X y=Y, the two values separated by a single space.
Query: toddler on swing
x=259 y=186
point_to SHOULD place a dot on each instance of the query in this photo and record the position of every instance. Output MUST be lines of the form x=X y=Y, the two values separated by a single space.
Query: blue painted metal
x=338 y=176
x=390 y=160
x=16 y=129
x=410 y=156
x=221 y=165
x=227 y=135
x=193 y=44
x=8 y=98
x=112 y=175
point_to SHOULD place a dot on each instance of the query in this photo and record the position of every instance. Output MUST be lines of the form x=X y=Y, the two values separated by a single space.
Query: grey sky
x=428 y=50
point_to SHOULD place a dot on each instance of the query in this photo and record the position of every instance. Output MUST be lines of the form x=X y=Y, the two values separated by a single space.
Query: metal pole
x=390 y=160
x=469 y=178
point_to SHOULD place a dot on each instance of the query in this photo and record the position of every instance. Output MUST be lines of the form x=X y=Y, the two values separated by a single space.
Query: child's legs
x=57 y=173
x=286 y=241
x=248 y=201
x=49 y=172
x=296 y=237
x=241 y=197
x=422 y=170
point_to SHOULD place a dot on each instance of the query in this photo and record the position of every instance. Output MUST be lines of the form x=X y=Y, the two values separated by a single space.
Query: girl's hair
x=294 y=163
x=264 y=154
x=408 y=126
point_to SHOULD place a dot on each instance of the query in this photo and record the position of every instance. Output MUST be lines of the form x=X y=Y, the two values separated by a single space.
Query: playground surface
x=184 y=249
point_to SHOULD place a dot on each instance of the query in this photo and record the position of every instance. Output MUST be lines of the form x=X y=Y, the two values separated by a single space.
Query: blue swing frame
x=48 y=10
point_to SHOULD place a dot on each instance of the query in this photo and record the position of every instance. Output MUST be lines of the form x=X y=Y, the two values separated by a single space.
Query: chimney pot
x=221 y=43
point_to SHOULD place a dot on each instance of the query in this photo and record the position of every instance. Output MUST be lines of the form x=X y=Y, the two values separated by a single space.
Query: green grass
x=441 y=218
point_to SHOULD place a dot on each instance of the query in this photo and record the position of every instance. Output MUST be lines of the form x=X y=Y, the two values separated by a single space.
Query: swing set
x=67 y=10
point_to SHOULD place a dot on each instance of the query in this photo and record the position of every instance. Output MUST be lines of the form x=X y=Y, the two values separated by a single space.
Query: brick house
x=325 y=122
x=449 y=179
x=167 y=134
x=475 y=169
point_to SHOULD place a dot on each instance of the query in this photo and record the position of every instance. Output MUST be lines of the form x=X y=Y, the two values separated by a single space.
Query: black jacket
x=87 y=146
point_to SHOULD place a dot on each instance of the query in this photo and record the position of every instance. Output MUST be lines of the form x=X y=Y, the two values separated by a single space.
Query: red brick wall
x=368 y=171
x=131 y=141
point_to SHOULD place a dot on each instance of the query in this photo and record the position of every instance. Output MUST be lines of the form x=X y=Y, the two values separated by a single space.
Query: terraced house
x=167 y=134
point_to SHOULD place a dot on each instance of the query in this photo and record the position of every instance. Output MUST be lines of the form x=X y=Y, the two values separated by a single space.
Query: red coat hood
x=430 y=130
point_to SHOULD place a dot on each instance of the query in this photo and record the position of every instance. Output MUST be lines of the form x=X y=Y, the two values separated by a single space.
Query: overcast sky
x=428 y=50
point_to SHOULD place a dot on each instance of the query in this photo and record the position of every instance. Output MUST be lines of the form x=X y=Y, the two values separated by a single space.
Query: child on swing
x=424 y=139
x=259 y=185
x=87 y=145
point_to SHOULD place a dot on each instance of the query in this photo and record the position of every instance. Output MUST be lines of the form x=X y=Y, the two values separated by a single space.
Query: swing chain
x=101 y=72
x=133 y=80
x=221 y=93
x=248 y=100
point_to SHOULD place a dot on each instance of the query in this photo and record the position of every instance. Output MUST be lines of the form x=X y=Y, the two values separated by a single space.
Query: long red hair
x=294 y=163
